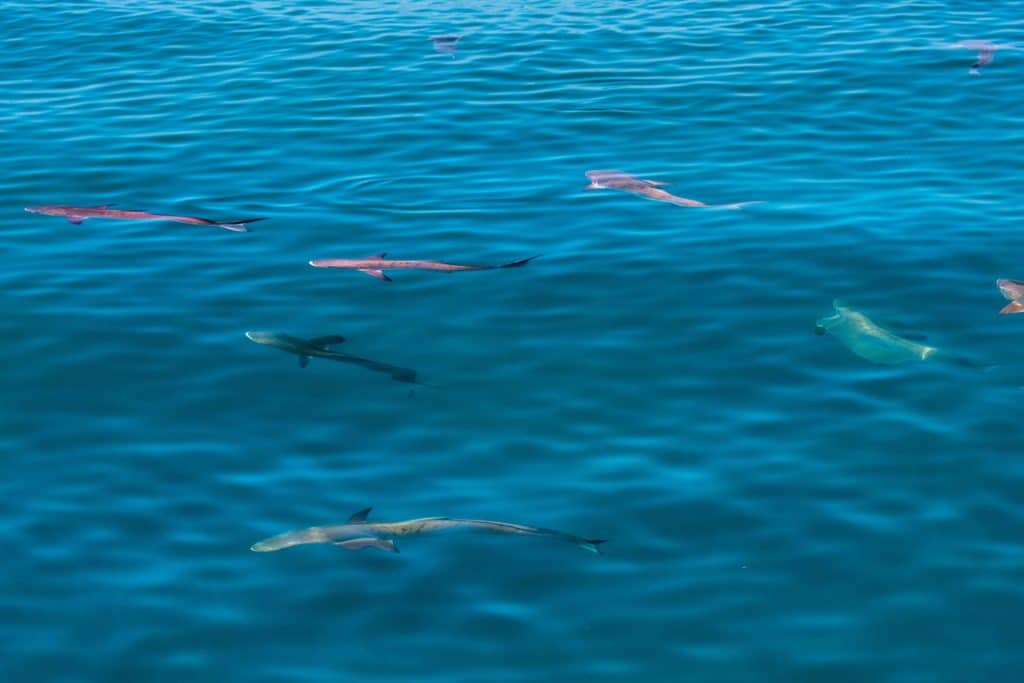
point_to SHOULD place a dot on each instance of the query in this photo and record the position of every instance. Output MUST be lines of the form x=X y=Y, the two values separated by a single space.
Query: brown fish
x=377 y=264
x=77 y=214
x=1014 y=291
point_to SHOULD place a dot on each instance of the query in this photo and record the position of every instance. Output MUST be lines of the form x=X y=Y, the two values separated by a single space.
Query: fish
x=986 y=51
x=320 y=347
x=77 y=214
x=1014 y=291
x=445 y=44
x=869 y=340
x=619 y=180
x=357 y=533
x=376 y=265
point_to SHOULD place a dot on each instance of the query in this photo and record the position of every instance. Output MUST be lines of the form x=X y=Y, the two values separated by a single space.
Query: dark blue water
x=776 y=507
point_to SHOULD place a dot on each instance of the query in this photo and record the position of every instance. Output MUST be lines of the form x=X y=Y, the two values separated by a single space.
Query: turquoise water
x=776 y=507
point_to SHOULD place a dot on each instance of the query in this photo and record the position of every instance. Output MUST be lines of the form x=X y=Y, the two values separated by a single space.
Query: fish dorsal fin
x=102 y=206
x=838 y=303
x=325 y=342
x=382 y=254
x=360 y=517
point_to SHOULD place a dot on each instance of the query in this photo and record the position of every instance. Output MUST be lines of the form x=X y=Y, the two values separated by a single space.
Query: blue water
x=776 y=507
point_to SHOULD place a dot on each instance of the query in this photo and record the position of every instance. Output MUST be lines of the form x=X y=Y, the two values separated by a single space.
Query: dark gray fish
x=320 y=348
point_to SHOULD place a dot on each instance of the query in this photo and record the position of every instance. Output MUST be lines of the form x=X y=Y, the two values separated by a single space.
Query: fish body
x=986 y=50
x=1013 y=290
x=357 y=533
x=869 y=340
x=445 y=44
x=619 y=180
x=320 y=348
x=377 y=264
x=77 y=214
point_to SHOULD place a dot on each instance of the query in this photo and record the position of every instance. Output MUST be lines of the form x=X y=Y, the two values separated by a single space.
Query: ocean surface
x=776 y=507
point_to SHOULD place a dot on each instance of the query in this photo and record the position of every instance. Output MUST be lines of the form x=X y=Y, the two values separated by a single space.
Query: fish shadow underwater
x=320 y=347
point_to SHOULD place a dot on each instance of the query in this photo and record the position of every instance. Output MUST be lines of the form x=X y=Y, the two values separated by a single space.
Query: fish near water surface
x=1013 y=290
x=357 y=533
x=377 y=264
x=320 y=347
x=620 y=180
x=77 y=214
x=986 y=50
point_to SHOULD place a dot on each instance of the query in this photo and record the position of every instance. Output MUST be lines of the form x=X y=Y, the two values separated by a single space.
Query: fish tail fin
x=238 y=225
x=519 y=263
x=1012 y=307
x=592 y=544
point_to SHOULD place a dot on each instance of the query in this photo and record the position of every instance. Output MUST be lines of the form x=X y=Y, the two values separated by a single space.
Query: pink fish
x=1014 y=291
x=619 y=180
x=986 y=51
x=77 y=214
x=377 y=264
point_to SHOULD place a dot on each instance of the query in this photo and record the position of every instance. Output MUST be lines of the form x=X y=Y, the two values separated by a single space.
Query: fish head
x=45 y=209
x=1011 y=289
x=262 y=337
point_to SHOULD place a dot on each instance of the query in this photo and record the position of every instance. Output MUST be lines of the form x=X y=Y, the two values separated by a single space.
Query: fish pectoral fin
x=325 y=342
x=360 y=517
x=303 y=361
x=1012 y=307
x=368 y=542
x=379 y=274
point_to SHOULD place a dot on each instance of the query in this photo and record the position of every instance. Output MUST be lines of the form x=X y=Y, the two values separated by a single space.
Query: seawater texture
x=776 y=507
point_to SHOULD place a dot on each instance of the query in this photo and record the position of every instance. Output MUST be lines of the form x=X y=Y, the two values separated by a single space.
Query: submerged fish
x=320 y=348
x=986 y=51
x=357 y=533
x=1014 y=291
x=77 y=214
x=376 y=265
x=869 y=340
x=445 y=44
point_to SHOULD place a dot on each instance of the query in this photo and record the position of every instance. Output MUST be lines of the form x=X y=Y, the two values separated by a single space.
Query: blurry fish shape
x=77 y=214
x=377 y=264
x=986 y=51
x=320 y=347
x=357 y=533
x=445 y=44
x=620 y=180
x=1014 y=291
x=869 y=340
